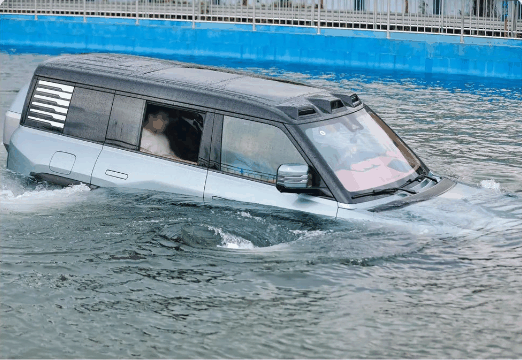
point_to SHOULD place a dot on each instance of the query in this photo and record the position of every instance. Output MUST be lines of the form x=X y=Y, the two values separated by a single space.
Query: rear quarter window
x=88 y=114
x=69 y=109
x=49 y=105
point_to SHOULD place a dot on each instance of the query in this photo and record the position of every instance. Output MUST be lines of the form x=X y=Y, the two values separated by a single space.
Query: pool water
x=120 y=274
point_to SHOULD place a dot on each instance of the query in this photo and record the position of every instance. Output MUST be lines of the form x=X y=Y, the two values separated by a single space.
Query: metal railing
x=492 y=18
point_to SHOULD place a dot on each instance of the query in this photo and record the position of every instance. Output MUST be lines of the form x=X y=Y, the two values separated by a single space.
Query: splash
x=247 y=215
x=40 y=197
x=230 y=241
x=310 y=233
x=490 y=184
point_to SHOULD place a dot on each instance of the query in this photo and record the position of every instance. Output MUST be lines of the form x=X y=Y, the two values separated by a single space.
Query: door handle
x=116 y=174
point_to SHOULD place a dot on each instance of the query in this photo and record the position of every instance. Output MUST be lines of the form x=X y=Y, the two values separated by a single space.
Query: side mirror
x=295 y=178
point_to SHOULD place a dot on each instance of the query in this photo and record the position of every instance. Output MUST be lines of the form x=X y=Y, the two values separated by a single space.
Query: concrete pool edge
x=412 y=52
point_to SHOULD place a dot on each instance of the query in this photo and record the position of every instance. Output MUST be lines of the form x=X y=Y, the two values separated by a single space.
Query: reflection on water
x=107 y=273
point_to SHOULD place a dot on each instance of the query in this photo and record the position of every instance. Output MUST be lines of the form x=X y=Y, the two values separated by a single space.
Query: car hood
x=443 y=187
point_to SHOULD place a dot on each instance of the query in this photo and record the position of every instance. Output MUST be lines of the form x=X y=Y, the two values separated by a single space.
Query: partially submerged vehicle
x=110 y=120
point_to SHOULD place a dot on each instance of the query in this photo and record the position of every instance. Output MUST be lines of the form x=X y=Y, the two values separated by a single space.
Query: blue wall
x=428 y=53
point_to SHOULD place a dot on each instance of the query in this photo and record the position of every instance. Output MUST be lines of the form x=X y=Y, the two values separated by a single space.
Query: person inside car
x=153 y=138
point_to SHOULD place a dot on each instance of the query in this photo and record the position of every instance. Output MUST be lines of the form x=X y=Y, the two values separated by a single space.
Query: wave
x=40 y=197
x=490 y=184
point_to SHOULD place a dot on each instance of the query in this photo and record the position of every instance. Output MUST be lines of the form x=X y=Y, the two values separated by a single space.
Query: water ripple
x=122 y=274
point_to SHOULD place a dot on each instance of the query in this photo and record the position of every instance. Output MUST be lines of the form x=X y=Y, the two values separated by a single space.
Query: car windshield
x=362 y=151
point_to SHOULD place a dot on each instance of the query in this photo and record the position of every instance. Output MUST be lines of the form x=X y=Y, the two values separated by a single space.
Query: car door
x=243 y=164
x=153 y=146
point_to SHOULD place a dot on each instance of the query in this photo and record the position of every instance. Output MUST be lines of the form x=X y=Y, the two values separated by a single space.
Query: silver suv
x=124 y=121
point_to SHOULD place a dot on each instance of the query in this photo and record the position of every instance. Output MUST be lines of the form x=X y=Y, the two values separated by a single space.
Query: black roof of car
x=220 y=89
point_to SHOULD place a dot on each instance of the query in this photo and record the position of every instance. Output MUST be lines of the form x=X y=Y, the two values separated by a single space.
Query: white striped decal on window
x=50 y=103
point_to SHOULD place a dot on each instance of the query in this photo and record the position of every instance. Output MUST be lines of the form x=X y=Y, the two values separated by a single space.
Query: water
x=123 y=274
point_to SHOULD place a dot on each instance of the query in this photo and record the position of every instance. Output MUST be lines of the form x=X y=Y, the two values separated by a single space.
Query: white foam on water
x=230 y=241
x=149 y=221
x=490 y=184
x=309 y=233
x=40 y=197
x=246 y=214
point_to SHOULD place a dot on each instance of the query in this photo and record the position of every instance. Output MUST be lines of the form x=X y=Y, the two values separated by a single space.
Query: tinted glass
x=125 y=122
x=88 y=114
x=172 y=133
x=362 y=151
x=255 y=150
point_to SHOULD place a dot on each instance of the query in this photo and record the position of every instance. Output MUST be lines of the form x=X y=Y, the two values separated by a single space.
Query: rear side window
x=88 y=114
x=255 y=150
x=49 y=105
x=172 y=133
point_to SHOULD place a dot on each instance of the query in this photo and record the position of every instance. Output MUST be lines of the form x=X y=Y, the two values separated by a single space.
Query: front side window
x=172 y=133
x=255 y=150
x=362 y=151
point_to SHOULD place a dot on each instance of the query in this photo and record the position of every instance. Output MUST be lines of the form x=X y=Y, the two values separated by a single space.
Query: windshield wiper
x=383 y=191
x=393 y=190
x=431 y=178
x=420 y=177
